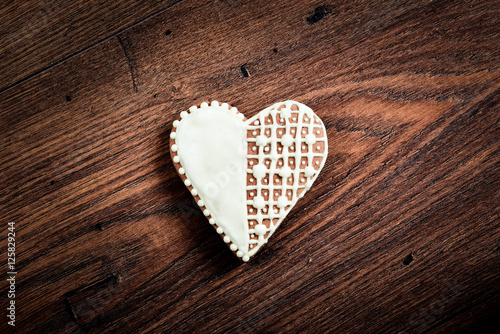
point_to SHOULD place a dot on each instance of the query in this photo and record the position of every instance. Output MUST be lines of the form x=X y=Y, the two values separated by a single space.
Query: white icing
x=261 y=140
x=212 y=147
x=259 y=202
x=310 y=139
x=285 y=171
x=309 y=171
x=260 y=229
x=282 y=201
x=259 y=171
x=285 y=113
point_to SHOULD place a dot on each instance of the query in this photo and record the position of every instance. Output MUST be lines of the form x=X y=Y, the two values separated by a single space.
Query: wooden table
x=399 y=234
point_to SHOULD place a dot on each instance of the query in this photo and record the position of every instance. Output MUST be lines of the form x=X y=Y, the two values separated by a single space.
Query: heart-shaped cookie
x=247 y=174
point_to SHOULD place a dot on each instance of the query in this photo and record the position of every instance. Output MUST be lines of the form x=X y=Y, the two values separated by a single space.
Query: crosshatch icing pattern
x=266 y=163
x=286 y=149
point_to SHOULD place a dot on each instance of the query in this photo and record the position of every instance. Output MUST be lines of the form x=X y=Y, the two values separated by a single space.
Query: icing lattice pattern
x=286 y=149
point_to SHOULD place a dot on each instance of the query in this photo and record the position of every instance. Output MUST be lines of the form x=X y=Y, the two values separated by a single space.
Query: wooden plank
x=35 y=35
x=409 y=93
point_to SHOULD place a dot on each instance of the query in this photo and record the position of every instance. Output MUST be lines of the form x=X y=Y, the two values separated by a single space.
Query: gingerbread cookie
x=247 y=174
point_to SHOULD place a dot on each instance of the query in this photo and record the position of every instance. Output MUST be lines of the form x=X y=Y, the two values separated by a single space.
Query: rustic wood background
x=399 y=234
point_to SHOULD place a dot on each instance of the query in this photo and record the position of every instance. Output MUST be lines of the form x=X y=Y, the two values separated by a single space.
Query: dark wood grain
x=110 y=241
x=36 y=35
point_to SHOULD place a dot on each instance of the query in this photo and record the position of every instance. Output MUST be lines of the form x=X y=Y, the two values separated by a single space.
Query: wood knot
x=408 y=259
x=319 y=13
x=244 y=71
